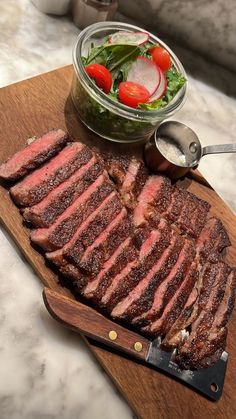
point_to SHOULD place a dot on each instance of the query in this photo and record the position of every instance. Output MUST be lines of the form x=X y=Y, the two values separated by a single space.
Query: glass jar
x=107 y=118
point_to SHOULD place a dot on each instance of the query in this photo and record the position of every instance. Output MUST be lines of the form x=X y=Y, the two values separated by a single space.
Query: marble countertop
x=46 y=371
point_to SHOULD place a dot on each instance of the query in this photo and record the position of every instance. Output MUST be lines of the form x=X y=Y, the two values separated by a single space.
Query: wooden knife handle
x=90 y=323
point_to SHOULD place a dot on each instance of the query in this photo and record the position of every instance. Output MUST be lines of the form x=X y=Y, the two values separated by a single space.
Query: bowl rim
x=101 y=97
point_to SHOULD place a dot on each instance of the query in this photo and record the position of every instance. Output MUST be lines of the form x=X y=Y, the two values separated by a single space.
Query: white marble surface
x=47 y=372
x=208 y=27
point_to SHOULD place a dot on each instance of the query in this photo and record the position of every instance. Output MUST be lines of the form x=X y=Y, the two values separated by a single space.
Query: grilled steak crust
x=212 y=240
x=34 y=187
x=168 y=286
x=175 y=305
x=33 y=155
x=178 y=198
x=59 y=233
x=75 y=279
x=140 y=298
x=175 y=334
x=105 y=245
x=211 y=343
x=205 y=319
x=117 y=167
x=133 y=183
x=111 y=208
x=153 y=199
x=123 y=254
x=193 y=215
x=59 y=199
x=151 y=250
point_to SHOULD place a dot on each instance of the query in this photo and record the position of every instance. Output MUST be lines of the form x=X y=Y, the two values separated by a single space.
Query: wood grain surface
x=86 y=320
x=35 y=106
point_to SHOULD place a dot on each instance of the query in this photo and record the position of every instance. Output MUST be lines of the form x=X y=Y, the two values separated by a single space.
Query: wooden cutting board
x=35 y=106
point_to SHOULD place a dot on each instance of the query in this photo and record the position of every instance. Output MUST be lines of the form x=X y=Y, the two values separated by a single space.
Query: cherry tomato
x=131 y=94
x=101 y=75
x=161 y=57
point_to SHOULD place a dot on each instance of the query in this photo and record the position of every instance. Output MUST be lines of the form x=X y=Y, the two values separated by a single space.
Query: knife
x=90 y=323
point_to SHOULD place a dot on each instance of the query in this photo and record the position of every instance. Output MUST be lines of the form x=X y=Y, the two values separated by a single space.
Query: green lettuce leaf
x=175 y=81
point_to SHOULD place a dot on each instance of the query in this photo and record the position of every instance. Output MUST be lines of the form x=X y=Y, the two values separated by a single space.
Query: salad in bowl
x=126 y=81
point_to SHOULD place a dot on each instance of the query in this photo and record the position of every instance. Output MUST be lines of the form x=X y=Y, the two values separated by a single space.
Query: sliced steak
x=178 y=198
x=117 y=167
x=140 y=298
x=135 y=178
x=59 y=233
x=176 y=334
x=149 y=253
x=87 y=234
x=168 y=286
x=153 y=199
x=124 y=254
x=227 y=305
x=212 y=240
x=33 y=155
x=33 y=188
x=56 y=257
x=46 y=212
x=193 y=215
x=105 y=244
x=207 y=351
x=203 y=323
x=74 y=278
x=174 y=306
x=215 y=341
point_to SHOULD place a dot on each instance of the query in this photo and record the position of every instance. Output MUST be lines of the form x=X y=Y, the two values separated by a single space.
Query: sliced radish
x=144 y=71
x=161 y=88
x=130 y=38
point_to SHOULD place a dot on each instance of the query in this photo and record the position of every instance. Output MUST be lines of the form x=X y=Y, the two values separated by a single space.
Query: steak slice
x=150 y=251
x=153 y=199
x=126 y=253
x=140 y=298
x=176 y=334
x=208 y=350
x=215 y=341
x=212 y=240
x=193 y=215
x=203 y=323
x=74 y=278
x=168 y=286
x=135 y=178
x=227 y=305
x=105 y=244
x=33 y=155
x=123 y=254
x=107 y=217
x=117 y=166
x=178 y=198
x=56 y=257
x=46 y=212
x=174 y=306
x=148 y=243
x=33 y=188
x=59 y=233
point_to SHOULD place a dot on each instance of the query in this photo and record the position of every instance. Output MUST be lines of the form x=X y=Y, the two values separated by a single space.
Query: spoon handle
x=219 y=148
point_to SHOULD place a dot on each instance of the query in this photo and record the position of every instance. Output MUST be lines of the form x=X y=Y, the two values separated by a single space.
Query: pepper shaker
x=87 y=12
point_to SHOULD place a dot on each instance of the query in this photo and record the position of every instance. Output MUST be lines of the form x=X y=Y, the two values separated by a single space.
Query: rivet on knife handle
x=89 y=322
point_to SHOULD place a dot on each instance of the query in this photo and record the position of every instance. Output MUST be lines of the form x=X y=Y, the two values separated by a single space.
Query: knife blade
x=87 y=321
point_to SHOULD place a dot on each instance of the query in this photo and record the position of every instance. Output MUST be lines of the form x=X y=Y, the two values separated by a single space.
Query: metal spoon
x=175 y=149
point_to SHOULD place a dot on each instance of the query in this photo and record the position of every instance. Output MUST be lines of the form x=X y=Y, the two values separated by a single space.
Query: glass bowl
x=107 y=118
